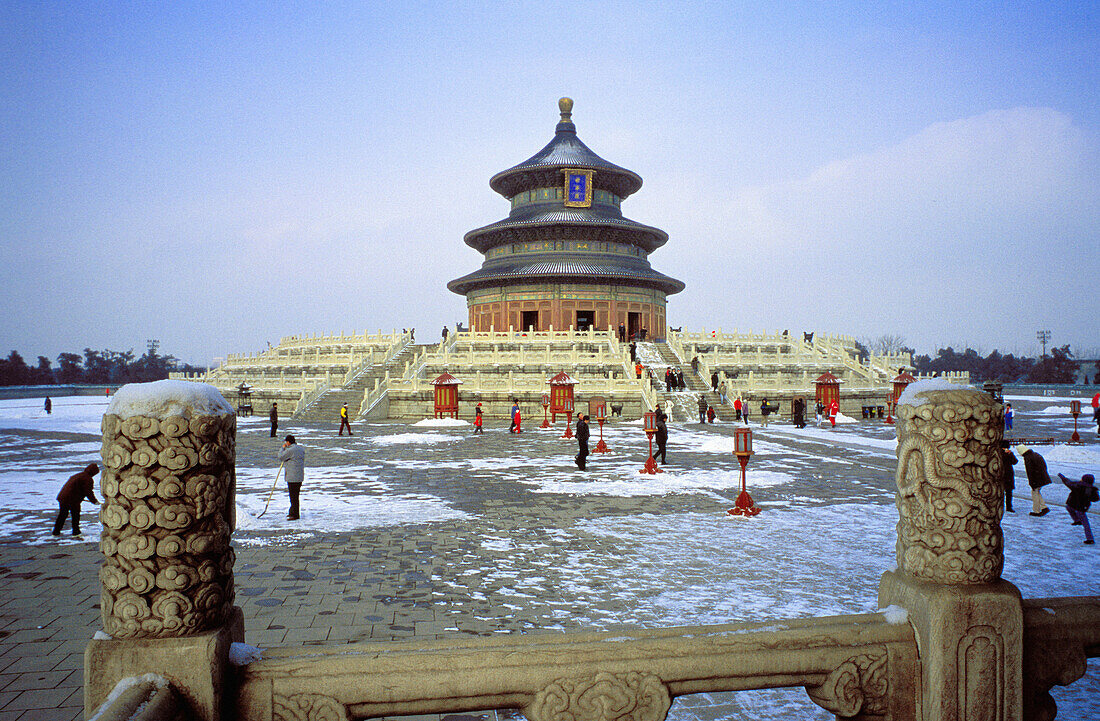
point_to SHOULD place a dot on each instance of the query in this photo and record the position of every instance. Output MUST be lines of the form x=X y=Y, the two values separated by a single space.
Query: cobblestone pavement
x=518 y=555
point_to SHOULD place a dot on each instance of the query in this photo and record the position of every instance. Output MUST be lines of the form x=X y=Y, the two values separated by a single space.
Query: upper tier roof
x=565 y=151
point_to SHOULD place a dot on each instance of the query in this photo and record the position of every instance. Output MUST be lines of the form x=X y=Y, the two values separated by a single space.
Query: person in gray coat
x=293 y=458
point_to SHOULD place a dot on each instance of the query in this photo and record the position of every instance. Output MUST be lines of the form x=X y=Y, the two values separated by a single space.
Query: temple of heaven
x=565 y=255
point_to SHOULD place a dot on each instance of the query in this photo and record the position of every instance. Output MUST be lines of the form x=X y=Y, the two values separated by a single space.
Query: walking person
x=834 y=410
x=344 y=422
x=273 y=416
x=737 y=408
x=662 y=439
x=1008 y=416
x=633 y=352
x=293 y=458
x=702 y=409
x=714 y=381
x=582 y=441
x=1082 y=494
x=1037 y=476
x=710 y=415
x=515 y=427
x=76 y=489
x=819 y=408
x=765 y=411
x=48 y=405
x=1008 y=474
x=477 y=420
x=622 y=333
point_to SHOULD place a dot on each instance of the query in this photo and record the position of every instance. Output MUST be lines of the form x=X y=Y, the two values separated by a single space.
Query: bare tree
x=887 y=344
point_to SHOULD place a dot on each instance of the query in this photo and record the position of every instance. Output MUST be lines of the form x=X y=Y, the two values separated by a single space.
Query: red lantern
x=649 y=418
x=742 y=448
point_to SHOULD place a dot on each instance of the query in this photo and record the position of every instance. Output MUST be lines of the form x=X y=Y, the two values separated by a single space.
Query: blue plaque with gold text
x=578 y=188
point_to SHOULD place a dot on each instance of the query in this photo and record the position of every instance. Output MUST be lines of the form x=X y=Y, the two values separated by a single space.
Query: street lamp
x=890 y=400
x=1044 y=338
x=545 y=405
x=1075 y=410
x=650 y=466
x=742 y=448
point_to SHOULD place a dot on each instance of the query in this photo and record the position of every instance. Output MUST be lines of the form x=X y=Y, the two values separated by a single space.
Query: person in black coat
x=798 y=412
x=1037 y=477
x=582 y=441
x=75 y=490
x=662 y=439
x=1082 y=494
x=48 y=405
x=1008 y=474
x=273 y=416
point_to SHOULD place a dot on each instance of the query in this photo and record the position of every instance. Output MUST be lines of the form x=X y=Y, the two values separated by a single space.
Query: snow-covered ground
x=825 y=536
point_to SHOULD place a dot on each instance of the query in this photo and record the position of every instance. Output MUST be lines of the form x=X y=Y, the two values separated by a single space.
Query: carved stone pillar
x=969 y=622
x=168 y=488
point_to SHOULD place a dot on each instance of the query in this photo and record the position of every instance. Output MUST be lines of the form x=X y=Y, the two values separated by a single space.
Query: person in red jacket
x=75 y=490
x=834 y=408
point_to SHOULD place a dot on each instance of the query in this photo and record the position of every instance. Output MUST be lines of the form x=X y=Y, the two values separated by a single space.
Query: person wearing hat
x=582 y=441
x=1037 y=477
x=477 y=419
x=344 y=423
x=1082 y=494
x=293 y=457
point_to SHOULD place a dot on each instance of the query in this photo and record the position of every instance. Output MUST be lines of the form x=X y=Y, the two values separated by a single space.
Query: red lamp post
x=650 y=466
x=567 y=406
x=598 y=408
x=890 y=400
x=1075 y=410
x=545 y=405
x=742 y=448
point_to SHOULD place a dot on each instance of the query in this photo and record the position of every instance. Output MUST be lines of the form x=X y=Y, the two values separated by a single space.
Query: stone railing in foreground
x=960 y=644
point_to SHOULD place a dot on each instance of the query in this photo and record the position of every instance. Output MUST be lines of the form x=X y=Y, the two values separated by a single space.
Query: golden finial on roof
x=565 y=105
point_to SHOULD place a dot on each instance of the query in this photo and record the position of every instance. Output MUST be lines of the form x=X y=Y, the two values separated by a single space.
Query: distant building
x=565 y=255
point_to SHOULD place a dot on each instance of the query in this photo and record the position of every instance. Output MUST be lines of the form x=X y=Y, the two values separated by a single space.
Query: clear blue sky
x=220 y=175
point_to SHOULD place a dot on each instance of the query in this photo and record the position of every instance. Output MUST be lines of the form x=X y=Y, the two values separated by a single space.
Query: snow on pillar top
x=162 y=399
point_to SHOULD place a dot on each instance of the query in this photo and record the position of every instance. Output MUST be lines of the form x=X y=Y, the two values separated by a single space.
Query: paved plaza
x=428 y=531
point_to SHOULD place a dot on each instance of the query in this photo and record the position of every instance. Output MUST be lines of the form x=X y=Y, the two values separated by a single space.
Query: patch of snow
x=126 y=684
x=441 y=423
x=909 y=395
x=400 y=438
x=241 y=654
x=161 y=399
x=102 y=636
x=894 y=615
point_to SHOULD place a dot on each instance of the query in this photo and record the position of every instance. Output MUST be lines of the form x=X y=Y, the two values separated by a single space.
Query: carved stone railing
x=850 y=665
